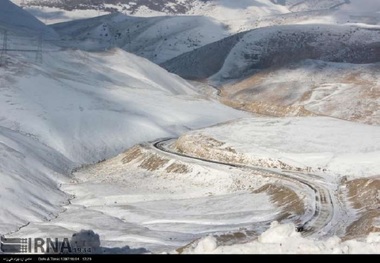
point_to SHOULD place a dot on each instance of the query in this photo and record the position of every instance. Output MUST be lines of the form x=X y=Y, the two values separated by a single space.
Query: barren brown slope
x=345 y=91
x=364 y=195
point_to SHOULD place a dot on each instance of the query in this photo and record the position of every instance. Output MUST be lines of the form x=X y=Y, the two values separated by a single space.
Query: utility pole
x=39 y=50
x=3 y=57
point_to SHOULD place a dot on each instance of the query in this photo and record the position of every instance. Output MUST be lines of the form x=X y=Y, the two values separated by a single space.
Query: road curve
x=324 y=204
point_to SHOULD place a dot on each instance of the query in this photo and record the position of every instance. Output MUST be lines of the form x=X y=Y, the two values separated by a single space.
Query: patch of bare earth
x=150 y=161
x=369 y=93
x=208 y=148
x=153 y=163
x=249 y=95
x=132 y=154
x=268 y=108
x=255 y=80
x=364 y=195
x=177 y=168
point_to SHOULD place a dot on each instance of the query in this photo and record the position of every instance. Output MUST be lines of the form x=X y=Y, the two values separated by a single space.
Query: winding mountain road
x=324 y=204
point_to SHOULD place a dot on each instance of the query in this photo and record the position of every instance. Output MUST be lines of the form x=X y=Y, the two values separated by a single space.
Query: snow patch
x=282 y=239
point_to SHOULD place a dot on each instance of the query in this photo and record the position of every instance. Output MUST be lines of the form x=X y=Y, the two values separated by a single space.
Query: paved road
x=324 y=204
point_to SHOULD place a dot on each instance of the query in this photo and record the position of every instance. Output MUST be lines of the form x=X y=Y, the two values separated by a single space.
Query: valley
x=192 y=126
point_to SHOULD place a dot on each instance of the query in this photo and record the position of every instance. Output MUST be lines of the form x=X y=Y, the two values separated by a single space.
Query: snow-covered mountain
x=78 y=108
x=246 y=53
x=166 y=6
x=293 y=70
x=292 y=142
x=82 y=122
x=180 y=6
x=155 y=38
x=239 y=15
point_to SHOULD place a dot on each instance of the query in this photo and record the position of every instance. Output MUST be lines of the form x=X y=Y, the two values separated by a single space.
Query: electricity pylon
x=3 y=57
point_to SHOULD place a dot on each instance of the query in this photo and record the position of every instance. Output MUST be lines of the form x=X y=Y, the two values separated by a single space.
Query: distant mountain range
x=167 y=6
x=177 y=6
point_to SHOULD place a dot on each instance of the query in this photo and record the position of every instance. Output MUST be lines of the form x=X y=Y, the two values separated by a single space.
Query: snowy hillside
x=157 y=38
x=78 y=108
x=27 y=169
x=84 y=108
x=341 y=155
x=152 y=200
x=115 y=84
x=340 y=147
x=276 y=46
x=158 y=210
